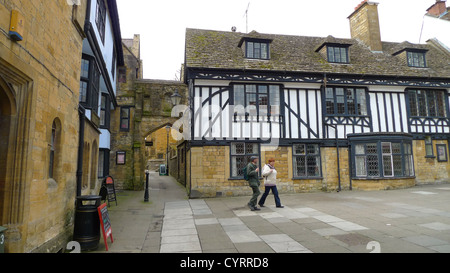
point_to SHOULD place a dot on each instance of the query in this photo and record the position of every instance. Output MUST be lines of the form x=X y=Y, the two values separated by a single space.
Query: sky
x=162 y=23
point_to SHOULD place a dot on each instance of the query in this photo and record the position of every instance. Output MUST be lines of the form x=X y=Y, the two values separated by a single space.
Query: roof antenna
x=246 y=17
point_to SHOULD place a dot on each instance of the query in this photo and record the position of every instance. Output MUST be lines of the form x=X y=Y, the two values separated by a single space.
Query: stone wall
x=430 y=170
x=42 y=73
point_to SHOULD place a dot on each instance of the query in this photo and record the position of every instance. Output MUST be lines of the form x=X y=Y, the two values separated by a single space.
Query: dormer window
x=337 y=54
x=416 y=58
x=257 y=50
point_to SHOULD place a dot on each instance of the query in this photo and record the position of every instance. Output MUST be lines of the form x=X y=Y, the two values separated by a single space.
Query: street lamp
x=168 y=128
x=176 y=98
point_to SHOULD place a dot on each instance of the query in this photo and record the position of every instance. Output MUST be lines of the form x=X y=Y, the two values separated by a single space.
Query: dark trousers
x=266 y=193
x=255 y=195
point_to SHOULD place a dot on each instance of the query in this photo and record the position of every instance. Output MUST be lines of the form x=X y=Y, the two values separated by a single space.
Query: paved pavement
x=406 y=221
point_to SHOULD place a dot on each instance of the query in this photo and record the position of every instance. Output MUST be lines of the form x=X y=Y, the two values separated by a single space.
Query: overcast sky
x=162 y=23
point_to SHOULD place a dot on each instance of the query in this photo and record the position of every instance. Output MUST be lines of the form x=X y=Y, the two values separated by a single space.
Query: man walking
x=253 y=181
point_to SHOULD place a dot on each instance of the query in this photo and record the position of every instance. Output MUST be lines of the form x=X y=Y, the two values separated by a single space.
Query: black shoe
x=261 y=205
x=256 y=208
x=280 y=206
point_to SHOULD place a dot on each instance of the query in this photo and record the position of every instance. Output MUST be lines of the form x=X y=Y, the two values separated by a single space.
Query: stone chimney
x=365 y=26
x=437 y=9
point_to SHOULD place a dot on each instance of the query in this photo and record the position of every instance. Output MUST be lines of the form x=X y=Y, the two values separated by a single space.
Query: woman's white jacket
x=270 y=178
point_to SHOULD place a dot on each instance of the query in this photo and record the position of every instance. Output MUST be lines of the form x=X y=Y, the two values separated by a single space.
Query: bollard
x=147 y=173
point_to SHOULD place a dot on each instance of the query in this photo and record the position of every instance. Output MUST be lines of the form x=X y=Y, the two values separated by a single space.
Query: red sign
x=105 y=223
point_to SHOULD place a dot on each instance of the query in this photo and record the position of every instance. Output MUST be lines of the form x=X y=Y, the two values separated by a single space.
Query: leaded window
x=307 y=162
x=125 y=119
x=429 y=146
x=257 y=50
x=105 y=112
x=416 y=59
x=427 y=103
x=343 y=101
x=241 y=153
x=383 y=159
x=257 y=99
x=337 y=54
x=100 y=18
x=89 y=83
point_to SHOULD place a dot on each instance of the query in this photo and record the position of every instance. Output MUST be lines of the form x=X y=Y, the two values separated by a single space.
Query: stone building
x=51 y=58
x=358 y=113
x=144 y=110
x=39 y=91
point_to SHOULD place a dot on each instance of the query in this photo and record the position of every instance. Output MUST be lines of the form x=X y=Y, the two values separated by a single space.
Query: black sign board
x=108 y=183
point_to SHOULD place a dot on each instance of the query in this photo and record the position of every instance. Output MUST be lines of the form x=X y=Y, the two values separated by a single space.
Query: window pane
x=263 y=103
x=360 y=164
x=299 y=149
x=239 y=95
x=264 y=51
x=422 y=104
x=251 y=148
x=251 y=88
x=250 y=49
x=397 y=162
x=372 y=165
x=431 y=103
x=440 y=104
x=359 y=149
x=83 y=91
x=340 y=100
x=362 y=102
x=251 y=104
x=84 y=68
x=257 y=50
x=344 y=55
x=102 y=117
x=125 y=113
x=274 y=99
x=101 y=163
x=396 y=148
x=331 y=54
x=372 y=148
x=124 y=124
x=300 y=166
x=386 y=147
x=237 y=148
x=413 y=103
x=351 y=101
x=312 y=149
x=329 y=100
x=313 y=166
x=387 y=165
x=237 y=164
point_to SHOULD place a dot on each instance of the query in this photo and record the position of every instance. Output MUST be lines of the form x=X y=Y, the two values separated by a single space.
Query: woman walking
x=270 y=182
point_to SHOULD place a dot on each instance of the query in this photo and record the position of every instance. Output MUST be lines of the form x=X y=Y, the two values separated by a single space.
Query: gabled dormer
x=412 y=55
x=334 y=50
x=255 y=46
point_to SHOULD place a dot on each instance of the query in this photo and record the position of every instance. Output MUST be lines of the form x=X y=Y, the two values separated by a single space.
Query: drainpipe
x=82 y=114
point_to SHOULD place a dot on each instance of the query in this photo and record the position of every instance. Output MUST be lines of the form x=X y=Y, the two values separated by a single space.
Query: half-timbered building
x=335 y=113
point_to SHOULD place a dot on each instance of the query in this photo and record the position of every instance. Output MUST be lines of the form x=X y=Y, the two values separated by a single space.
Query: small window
x=240 y=156
x=337 y=54
x=89 y=83
x=103 y=163
x=428 y=147
x=416 y=59
x=257 y=50
x=125 y=119
x=52 y=151
x=307 y=162
x=427 y=103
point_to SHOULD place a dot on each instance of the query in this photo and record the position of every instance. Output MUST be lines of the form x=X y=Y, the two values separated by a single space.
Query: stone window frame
x=306 y=155
x=376 y=156
x=246 y=156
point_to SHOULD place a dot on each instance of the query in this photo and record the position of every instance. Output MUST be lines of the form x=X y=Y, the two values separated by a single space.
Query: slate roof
x=220 y=50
